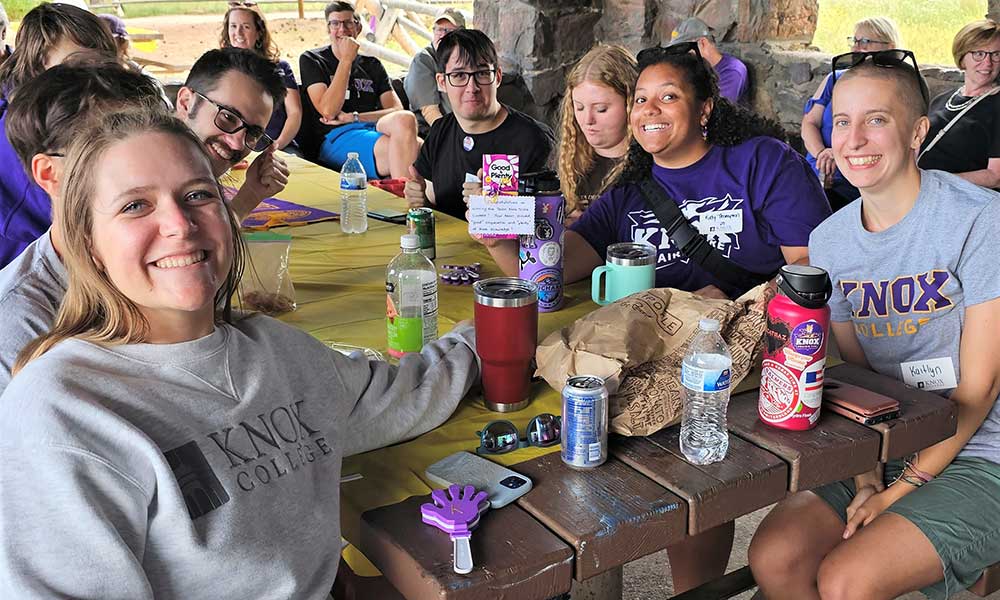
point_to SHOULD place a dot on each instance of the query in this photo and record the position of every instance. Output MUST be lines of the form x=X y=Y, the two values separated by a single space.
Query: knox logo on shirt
x=877 y=304
x=364 y=85
x=720 y=220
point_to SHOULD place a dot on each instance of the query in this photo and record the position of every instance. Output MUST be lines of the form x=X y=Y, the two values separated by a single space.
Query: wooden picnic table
x=574 y=525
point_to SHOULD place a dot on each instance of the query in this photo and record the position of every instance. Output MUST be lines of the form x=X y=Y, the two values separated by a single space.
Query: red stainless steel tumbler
x=506 y=314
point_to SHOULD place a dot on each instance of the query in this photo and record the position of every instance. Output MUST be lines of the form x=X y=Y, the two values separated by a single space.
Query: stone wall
x=540 y=40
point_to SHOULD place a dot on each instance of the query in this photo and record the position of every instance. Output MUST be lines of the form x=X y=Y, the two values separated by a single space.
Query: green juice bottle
x=411 y=302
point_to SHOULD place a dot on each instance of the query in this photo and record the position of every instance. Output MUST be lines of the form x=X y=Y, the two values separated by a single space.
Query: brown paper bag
x=637 y=345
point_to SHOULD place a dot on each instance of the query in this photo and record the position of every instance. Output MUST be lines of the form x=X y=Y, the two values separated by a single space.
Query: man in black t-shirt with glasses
x=349 y=105
x=468 y=71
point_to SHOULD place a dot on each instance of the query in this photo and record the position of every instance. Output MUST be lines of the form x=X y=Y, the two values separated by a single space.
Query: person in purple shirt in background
x=734 y=84
x=754 y=198
x=5 y=49
x=48 y=34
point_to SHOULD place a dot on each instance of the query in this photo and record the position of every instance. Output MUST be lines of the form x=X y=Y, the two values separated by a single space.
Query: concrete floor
x=649 y=578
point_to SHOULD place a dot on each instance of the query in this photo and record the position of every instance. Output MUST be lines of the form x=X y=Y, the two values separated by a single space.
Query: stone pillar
x=539 y=41
x=993 y=10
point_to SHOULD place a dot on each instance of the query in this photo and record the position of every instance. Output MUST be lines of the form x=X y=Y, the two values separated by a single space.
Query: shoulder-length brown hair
x=265 y=46
x=608 y=65
x=41 y=30
x=94 y=309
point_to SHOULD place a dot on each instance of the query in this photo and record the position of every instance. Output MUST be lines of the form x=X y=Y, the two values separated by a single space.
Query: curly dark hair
x=728 y=124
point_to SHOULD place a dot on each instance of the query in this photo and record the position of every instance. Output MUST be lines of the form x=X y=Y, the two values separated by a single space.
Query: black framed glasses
x=865 y=42
x=229 y=121
x=461 y=78
x=346 y=23
x=499 y=437
x=891 y=59
x=649 y=55
x=981 y=55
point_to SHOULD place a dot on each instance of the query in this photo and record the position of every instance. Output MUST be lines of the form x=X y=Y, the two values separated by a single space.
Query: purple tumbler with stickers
x=541 y=255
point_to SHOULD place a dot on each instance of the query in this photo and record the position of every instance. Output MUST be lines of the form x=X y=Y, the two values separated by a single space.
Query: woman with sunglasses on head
x=48 y=34
x=875 y=33
x=916 y=297
x=965 y=123
x=151 y=431
x=595 y=135
x=244 y=27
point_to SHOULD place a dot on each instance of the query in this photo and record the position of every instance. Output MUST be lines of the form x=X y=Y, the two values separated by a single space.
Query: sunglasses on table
x=650 y=54
x=499 y=437
x=228 y=121
x=890 y=59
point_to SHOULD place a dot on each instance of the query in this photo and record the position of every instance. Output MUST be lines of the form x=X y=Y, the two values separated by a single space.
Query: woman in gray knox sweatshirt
x=151 y=448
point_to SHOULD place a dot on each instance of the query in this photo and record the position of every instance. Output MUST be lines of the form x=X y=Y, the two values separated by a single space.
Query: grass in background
x=927 y=27
x=17 y=8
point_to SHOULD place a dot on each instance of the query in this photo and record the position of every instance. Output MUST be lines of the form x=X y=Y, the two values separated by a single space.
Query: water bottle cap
x=708 y=325
x=351 y=155
x=806 y=285
x=409 y=241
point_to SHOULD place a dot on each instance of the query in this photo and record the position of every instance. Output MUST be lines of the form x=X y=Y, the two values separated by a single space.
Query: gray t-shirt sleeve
x=21 y=321
x=420 y=84
x=822 y=249
x=389 y=404
x=978 y=268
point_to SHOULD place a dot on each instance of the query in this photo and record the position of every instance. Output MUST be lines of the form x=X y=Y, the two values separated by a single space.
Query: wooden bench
x=988 y=583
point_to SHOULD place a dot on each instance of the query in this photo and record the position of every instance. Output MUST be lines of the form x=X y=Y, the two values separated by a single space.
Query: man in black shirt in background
x=349 y=104
x=467 y=68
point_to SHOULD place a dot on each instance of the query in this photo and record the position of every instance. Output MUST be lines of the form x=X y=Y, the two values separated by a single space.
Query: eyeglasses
x=499 y=437
x=980 y=55
x=461 y=78
x=864 y=42
x=883 y=58
x=242 y=3
x=442 y=30
x=346 y=23
x=228 y=121
x=649 y=55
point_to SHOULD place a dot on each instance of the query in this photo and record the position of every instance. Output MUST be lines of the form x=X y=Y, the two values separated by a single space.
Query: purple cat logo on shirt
x=720 y=220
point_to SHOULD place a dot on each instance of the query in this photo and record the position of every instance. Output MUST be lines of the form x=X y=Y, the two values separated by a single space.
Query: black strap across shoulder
x=692 y=243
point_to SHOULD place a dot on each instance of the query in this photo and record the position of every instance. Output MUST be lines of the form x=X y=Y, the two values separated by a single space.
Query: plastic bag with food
x=266 y=285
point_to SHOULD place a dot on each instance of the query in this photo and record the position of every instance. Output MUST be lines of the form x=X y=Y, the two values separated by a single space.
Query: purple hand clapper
x=456 y=514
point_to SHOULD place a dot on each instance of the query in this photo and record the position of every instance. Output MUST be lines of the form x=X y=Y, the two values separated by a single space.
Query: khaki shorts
x=958 y=511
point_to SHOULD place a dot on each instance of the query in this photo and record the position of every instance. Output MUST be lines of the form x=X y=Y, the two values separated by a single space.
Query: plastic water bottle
x=353 y=196
x=411 y=299
x=705 y=376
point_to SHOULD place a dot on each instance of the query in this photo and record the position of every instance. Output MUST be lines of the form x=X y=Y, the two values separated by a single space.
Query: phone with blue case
x=502 y=485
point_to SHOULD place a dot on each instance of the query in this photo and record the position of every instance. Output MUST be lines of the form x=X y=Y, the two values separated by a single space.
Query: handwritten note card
x=502 y=216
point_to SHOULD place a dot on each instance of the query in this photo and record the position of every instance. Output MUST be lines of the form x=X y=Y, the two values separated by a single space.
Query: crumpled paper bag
x=637 y=345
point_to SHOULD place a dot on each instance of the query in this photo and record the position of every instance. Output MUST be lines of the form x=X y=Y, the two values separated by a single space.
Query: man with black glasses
x=227 y=101
x=350 y=106
x=916 y=296
x=469 y=71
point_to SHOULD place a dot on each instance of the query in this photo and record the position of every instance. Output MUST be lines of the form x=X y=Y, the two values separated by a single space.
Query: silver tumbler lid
x=631 y=254
x=505 y=292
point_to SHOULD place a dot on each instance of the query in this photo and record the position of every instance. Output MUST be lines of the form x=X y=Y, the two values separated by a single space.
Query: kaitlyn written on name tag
x=930 y=374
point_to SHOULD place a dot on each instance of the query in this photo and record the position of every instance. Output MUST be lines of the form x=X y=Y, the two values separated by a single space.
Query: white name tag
x=503 y=216
x=720 y=221
x=347 y=94
x=931 y=374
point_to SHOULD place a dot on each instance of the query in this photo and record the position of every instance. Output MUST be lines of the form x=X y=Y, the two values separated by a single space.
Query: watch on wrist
x=356 y=119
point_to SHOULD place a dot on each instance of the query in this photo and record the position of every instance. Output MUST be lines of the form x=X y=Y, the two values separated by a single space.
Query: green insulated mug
x=630 y=268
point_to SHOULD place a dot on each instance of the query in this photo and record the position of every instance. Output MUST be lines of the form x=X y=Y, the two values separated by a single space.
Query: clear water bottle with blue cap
x=353 y=196
x=705 y=378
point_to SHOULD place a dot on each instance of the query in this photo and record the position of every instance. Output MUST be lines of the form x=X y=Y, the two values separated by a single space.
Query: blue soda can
x=584 y=422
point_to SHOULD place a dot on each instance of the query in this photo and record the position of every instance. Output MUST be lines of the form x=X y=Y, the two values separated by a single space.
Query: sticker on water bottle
x=705 y=380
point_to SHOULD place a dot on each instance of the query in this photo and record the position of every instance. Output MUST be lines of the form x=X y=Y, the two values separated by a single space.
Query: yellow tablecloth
x=340 y=289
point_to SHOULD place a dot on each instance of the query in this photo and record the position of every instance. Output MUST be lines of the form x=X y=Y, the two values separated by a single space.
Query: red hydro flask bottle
x=506 y=315
x=798 y=324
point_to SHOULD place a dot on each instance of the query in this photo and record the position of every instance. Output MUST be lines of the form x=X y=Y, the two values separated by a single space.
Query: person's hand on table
x=267 y=175
x=415 y=190
x=710 y=291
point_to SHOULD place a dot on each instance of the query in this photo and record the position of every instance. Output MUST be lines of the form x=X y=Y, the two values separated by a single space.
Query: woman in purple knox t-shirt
x=752 y=196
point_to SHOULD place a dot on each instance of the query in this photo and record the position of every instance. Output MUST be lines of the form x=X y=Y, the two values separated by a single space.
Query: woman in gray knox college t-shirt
x=152 y=448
